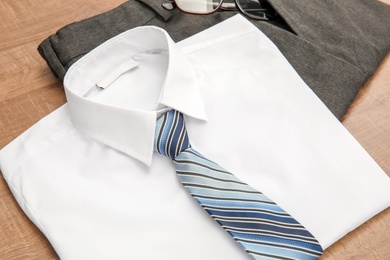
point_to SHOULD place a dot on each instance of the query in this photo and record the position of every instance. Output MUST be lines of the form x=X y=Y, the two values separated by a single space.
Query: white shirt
x=87 y=176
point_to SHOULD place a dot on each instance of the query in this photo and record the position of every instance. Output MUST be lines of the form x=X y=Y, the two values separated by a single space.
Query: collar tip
x=201 y=115
x=143 y=158
x=148 y=163
x=146 y=160
x=203 y=118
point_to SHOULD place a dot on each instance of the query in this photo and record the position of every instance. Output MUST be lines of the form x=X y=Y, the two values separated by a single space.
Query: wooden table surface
x=28 y=92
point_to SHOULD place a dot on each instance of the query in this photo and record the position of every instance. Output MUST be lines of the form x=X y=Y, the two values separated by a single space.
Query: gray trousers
x=335 y=46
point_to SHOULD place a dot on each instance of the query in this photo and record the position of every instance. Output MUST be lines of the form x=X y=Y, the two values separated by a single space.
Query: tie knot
x=171 y=135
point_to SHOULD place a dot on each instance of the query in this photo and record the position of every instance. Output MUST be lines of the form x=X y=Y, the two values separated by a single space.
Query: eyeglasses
x=255 y=9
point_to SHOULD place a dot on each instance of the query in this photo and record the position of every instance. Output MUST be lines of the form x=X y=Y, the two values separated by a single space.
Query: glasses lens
x=198 y=6
x=258 y=9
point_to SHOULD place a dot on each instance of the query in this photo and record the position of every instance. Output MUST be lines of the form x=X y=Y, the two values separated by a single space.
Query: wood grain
x=28 y=92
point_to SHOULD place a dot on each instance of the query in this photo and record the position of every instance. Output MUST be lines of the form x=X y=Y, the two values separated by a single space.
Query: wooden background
x=28 y=92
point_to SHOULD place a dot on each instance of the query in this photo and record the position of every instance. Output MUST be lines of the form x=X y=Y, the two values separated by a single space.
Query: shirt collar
x=130 y=131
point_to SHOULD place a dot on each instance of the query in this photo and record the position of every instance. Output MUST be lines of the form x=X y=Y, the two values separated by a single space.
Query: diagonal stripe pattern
x=261 y=227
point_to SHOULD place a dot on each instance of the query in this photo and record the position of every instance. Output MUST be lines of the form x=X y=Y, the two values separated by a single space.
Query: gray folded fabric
x=335 y=46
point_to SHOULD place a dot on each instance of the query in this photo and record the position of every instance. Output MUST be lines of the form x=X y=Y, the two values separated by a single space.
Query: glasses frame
x=170 y=5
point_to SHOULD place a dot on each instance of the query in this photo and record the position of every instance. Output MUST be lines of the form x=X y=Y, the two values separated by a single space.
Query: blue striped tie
x=261 y=227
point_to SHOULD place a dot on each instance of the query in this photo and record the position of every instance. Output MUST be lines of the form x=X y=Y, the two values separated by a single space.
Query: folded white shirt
x=87 y=176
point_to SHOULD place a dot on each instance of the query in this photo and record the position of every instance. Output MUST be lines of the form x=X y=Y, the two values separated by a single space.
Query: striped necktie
x=261 y=227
